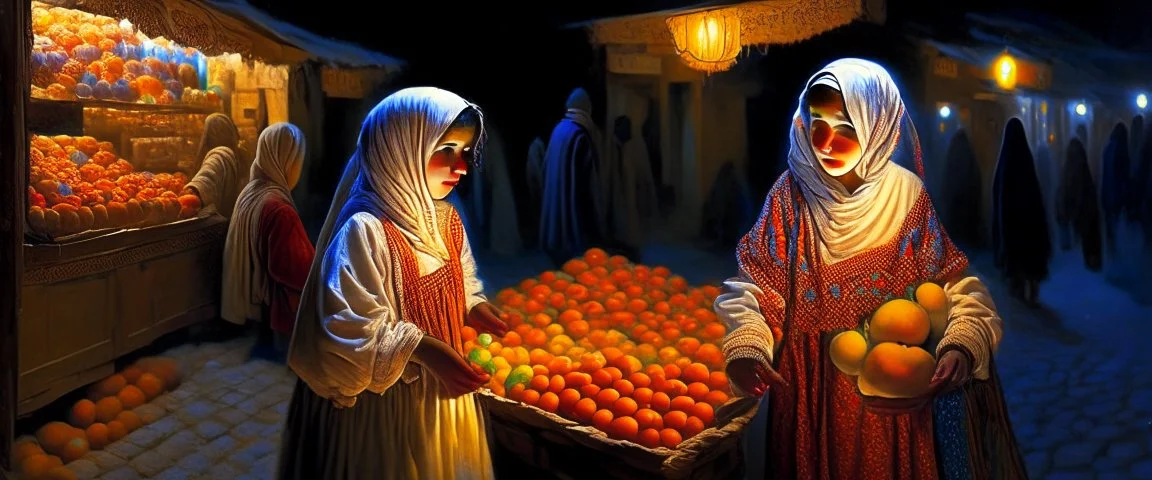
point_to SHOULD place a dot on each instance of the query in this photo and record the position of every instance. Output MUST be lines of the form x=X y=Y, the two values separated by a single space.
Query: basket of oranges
x=619 y=358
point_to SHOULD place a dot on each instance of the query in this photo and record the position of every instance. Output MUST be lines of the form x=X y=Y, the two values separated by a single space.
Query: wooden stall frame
x=14 y=92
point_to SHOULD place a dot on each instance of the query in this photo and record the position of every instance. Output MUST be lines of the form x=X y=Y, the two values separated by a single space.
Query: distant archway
x=961 y=193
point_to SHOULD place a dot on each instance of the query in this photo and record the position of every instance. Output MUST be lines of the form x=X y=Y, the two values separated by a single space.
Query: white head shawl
x=219 y=180
x=245 y=285
x=849 y=223
x=385 y=176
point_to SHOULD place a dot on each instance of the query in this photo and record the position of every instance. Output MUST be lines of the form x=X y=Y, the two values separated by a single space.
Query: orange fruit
x=716 y=398
x=549 y=402
x=696 y=372
x=623 y=386
x=466 y=333
x=602 y=419
x=713 y=331
x=116 y=431
x=83 y=413
x=718 y=380
x=624 y=407
x=584 y=409
x=74 y=449
x=649 y=437
x=614 y=372
x=670 y=438
x=643 y=396
x=698 y=391
x=682 y=403
x=596 y=257
x=539 y=383
x=703 y=411
x=693 y=427
x=25 y=449
x=516 y=392
x=539 y=370
x=611 y=354
x=556 y=384
x=107 y=409
x=97 y=434
x=133 y=372
x=560 y=365
x=151 y=385
x=130 y=420
x=675 y=388
x=568 y=398
x=602 y=378
x=661 y=402
x=675 y=419
x=671 y=372
x=109 y=386
x=131 y=397
x=589 y=391
x=607 y=397
x=624 y=428
x=38 y=465
x=688 y=345
x=530 y=397
x=577 y=379
x=574 y=267
x=639 y=379
x=512 y=339
x=710 y=354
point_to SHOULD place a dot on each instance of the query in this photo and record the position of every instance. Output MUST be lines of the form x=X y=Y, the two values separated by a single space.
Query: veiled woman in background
x=1021 y=242
x=1078 y=207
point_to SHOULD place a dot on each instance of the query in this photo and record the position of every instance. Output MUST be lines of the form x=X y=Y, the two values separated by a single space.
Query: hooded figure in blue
x=571 y=219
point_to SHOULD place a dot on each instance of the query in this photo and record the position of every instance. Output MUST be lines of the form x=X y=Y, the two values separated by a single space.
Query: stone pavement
x=223 y=422
x=1076 y=374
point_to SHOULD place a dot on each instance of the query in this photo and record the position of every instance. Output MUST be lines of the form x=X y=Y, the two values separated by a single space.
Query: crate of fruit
x=618 y=358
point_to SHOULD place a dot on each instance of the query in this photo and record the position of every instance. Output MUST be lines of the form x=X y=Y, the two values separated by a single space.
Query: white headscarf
x=385 y=176
x=246 y=287
x=219 y=180
x=848 y=223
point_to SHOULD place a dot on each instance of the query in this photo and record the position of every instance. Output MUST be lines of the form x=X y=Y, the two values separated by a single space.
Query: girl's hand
x=753 y=377
x=952 y=371
x=486 y=318
x=446 y=364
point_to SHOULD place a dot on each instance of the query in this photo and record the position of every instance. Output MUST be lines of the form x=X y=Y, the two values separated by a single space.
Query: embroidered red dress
x=289 y=255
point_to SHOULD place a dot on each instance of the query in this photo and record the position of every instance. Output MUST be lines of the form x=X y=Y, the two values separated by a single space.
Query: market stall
x=115 y=252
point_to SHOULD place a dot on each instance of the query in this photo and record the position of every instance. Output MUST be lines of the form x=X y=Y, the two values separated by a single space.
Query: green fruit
x=474 y=355
x=489 y=366
x=484 y=339
x=520 y=375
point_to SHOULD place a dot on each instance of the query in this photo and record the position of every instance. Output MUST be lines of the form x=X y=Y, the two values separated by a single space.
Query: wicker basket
x=550 y=442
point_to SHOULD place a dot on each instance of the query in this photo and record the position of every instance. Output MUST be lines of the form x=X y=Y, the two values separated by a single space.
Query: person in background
x=219 y=131
x=844 y=229
x=383 y=390
x=218 y=182
x=572 y=217
x=267 y=252
x=1078 y=207
x=489 y=204
x=534 y=176
x=1021 y=241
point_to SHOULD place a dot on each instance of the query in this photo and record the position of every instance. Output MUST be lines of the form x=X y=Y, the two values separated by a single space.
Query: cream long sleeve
x=473 y=286
x=973 y=323
x=749 y=335
x=365 y=345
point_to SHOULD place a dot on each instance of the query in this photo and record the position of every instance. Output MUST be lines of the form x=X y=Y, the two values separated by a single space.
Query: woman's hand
x=952 y=371
x=486 y=318
x=753 y=377
x=447 y=365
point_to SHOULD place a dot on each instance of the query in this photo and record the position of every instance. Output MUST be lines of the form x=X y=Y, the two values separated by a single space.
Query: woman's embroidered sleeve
x=739 y=307
x=974 y=326
x=473 y=286
x=367 y=345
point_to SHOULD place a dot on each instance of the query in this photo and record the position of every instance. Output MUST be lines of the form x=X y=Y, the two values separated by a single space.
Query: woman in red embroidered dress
x=268 y=252
x=384 y=392
x=844 y=230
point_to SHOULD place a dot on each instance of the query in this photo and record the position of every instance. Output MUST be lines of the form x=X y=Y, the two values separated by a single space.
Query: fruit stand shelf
x=66 y=117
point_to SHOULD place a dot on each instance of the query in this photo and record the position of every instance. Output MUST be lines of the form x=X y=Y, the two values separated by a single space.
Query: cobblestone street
x=1078 y=383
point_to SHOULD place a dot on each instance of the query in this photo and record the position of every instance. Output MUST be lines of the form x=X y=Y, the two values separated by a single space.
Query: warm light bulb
x=1081 y=109
x=1141 y=101
x=945 y=112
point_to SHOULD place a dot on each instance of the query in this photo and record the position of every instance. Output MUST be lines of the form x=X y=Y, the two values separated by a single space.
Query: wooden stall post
x=15 y=37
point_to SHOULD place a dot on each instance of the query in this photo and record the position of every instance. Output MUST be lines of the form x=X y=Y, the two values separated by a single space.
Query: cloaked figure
x=1078 y=207
x=1114 y=184
x=630 y=203
x=267 y=253
x=962 y=193
x=534 y=177
x=572 y=216
x=218 y=182
x=1021 y=242
x=841 y=232
x=383 y=391
x=1142 y=187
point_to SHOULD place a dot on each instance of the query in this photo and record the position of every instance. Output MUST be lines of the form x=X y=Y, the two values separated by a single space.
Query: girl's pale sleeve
x=473 y=286
x=974 y=326
x=749 y=333
x=367 y=346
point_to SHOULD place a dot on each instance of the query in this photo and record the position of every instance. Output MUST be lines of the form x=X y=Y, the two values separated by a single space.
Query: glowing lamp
x=1004 y=71
x=1081 y=109
x=1141 y=101
x=707 y=41
x=945 y=112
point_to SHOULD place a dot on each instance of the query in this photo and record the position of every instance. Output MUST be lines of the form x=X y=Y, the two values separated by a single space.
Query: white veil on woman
x=385 y=177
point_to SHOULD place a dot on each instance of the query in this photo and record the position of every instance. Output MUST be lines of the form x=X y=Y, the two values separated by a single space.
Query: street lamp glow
x=1141 y=101
x=945 y=112
x=1081 y=109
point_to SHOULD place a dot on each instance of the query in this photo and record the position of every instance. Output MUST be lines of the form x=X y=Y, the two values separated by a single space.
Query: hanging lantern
x=1004 y=71
x=707 y=41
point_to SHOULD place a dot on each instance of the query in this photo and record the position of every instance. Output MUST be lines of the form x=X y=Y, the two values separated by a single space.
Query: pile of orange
x=104 y=417
x=629 y=349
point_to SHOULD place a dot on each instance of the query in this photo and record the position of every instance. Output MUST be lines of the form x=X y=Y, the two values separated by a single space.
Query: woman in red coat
x=268 y=252
x=844 y=230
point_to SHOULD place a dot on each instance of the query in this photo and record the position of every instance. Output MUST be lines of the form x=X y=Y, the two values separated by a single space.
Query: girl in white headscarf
x=268 y=253
x=844 y=230
x=218 y=182
x=384 y=392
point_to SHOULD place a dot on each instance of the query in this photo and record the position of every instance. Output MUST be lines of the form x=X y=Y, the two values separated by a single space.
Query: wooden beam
x=15 y=47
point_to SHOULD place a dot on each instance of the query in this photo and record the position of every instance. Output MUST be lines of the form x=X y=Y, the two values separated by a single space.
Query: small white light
x=1141 y=101
x=945 y=112
x=1081 y=109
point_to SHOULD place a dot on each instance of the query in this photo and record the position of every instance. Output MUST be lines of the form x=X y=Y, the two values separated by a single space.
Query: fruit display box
x=548 y=441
